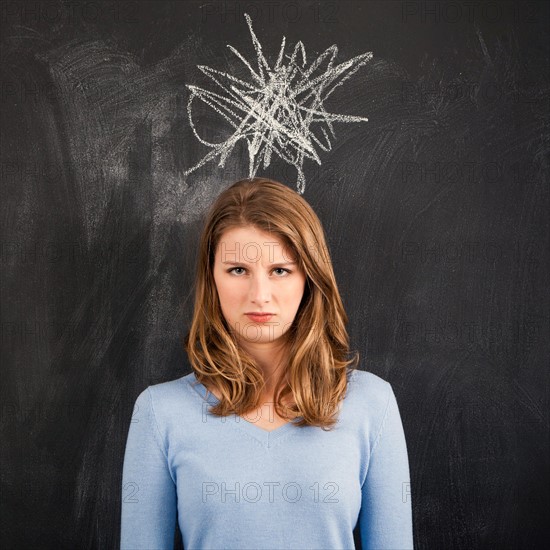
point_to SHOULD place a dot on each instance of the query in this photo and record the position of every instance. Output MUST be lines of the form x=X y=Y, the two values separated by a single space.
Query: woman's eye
x=280 y=271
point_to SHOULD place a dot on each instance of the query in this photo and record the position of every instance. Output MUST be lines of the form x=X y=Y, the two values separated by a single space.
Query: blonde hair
x=317 y=341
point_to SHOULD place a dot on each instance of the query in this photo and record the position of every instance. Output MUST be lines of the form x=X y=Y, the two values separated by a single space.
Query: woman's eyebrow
x=270 y=265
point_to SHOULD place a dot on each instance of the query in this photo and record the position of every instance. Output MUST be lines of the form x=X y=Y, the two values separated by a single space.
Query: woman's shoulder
x=169 y=395
x=368 y=391
x=170 y=388
x=171 y=385
x=368 y=382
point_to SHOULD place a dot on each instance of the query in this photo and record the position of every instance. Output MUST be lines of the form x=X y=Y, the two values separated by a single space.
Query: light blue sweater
x=231 y=484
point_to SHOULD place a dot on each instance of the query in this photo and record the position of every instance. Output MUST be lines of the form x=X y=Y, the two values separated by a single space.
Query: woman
x=274 y=440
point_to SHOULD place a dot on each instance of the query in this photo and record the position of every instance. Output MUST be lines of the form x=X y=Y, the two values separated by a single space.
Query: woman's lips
x=259 y=318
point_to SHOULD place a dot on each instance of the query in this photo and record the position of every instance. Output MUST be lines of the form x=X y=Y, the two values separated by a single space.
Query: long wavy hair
x=317 y=343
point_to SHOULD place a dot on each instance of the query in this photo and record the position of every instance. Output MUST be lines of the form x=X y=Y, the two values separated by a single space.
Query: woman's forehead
x=247 y=243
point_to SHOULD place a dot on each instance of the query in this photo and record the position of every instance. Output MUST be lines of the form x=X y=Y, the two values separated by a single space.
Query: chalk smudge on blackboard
x=279 y=110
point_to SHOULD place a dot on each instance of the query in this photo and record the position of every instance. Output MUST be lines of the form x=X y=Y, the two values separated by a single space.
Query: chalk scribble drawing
x=280 y=109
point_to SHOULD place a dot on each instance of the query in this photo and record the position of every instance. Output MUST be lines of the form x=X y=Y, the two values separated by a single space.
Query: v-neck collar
x=265 y=437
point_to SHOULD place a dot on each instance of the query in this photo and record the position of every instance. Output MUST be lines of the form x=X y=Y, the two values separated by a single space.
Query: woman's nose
x=260 y=290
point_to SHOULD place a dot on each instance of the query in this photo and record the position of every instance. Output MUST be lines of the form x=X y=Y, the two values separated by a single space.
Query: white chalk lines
x=280 y=110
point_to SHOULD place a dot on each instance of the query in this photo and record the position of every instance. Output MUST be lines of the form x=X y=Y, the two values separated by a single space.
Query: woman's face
x=255 y=273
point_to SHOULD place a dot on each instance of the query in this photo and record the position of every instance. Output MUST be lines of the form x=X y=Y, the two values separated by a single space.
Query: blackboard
x=435 y=209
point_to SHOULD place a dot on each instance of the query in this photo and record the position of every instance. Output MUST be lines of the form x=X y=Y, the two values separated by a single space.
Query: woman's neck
x=271 y=359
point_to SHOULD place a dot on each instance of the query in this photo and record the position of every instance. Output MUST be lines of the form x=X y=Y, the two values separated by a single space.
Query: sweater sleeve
x=385 y=518
x=149 y=501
